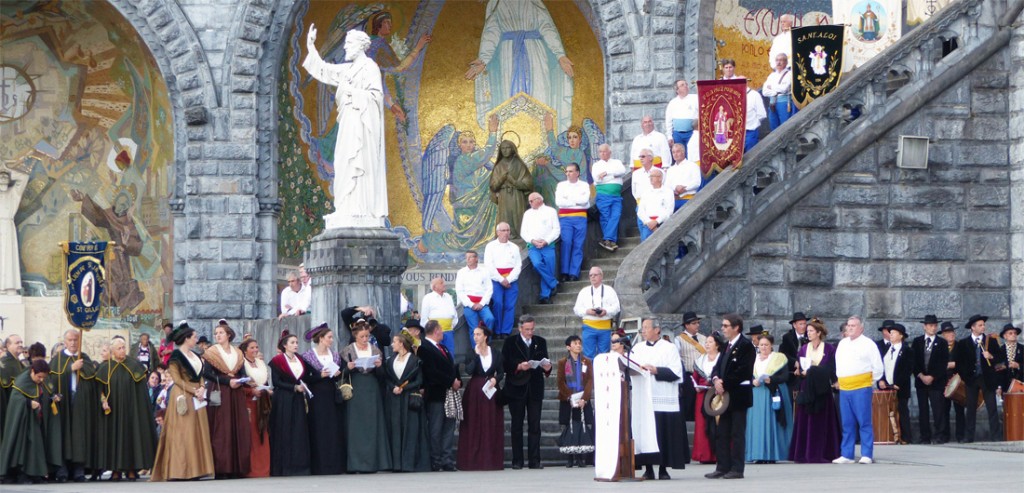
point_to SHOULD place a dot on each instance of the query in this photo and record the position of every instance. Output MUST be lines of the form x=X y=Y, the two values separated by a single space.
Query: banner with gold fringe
x=85 y=279
x=722 y=129
x=817 y=62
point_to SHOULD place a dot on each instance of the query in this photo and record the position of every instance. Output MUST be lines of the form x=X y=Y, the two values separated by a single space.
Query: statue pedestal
x=356 y=267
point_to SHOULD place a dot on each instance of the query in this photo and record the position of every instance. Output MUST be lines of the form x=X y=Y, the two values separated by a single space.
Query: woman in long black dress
x=326 y=429
x=482 y=433
x=407 y=419
x=368 y=445
x=289 y=428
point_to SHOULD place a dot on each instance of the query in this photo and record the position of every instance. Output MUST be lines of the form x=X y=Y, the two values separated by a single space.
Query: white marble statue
x=12 y=186
x=360 y=179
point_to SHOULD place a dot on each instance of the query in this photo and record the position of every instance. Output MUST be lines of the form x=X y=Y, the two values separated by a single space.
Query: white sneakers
x=844 y=460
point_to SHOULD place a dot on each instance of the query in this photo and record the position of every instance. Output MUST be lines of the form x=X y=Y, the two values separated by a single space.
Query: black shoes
x=544 y=301
x=715 y=475
x=733 y=475
x=536 y=466
x=649 y=474
x=449 y=468
x=517 y=466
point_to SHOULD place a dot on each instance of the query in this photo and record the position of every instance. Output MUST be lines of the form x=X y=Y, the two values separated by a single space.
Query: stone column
x=356 y=267
x=1016 y=134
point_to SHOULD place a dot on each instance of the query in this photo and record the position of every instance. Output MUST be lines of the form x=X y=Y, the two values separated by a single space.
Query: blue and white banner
x=85 y=281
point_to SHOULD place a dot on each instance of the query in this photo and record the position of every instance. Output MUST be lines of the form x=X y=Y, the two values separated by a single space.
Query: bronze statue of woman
x=511 y=183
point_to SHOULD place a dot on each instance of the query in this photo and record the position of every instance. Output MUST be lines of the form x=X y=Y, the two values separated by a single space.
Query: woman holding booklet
x=482 y=433
x=326 y=428
x=368 y=445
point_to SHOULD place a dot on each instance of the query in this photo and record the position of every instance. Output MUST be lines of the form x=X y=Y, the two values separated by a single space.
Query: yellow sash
x=445 y=323
x=855 y=382
x=696 y=345
x=598 y=324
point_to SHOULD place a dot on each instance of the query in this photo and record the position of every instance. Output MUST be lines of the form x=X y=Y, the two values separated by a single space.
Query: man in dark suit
x=976 y=358
x=732 y=374
x=931 y=355
x=899 y=366
x=439 y=374
x=792 y=341
x=524 y=389
x=948 y=333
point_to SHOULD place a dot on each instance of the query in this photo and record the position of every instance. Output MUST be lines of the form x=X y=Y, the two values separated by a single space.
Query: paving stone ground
x=908 y=468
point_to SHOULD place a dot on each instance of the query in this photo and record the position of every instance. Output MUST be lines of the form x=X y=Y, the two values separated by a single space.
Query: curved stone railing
x=798 y=157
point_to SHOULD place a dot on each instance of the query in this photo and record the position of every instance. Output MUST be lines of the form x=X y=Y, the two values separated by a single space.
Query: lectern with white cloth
x=615 y=445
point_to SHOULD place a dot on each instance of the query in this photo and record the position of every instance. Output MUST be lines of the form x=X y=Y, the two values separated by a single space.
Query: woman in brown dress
x=229 y=430
x=184 y=450
x=257 y=403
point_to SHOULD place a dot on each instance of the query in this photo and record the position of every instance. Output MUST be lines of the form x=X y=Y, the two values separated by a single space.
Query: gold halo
x=517 y=141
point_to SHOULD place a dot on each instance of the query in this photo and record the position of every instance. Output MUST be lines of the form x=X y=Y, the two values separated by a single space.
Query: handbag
x=213 y=400
x=577 y=438
x=346 y=389
x=415 y=401
x=453 y=405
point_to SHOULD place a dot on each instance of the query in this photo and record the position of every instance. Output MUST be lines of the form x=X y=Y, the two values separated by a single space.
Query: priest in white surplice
x=660 y=358
x=359 y=186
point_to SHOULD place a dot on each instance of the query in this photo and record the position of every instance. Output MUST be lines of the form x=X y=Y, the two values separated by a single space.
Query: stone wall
x=885 y=242
x=1016 y=189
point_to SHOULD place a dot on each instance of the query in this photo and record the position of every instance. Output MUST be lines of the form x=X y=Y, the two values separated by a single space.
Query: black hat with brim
x=412 y=323
x=690 y=317
x=798 y=316
x=930 y=319
x=947 y=327
x=899 y=328
x=975 y=319
x=1008 y=327
x=887 y=324
x=756 y=330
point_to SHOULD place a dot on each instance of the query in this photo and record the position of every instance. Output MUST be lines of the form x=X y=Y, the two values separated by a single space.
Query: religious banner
x=817 y=62
x=873 y=25
x=85 y=279
x=919 y=11
x=723 y=110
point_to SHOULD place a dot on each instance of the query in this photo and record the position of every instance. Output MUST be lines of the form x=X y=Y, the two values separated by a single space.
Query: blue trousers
x=855 y=409
x=543 y=260
x=645 y=232
x=596 y=341
x=682 y=137
x=779 y=112
x=503 y=306
x=449 y=342
x=610 y=208
x=574 y=234
x=474 y=317
x=751 y=139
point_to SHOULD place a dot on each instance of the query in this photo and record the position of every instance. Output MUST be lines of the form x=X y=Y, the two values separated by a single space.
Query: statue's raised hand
x=311 y=37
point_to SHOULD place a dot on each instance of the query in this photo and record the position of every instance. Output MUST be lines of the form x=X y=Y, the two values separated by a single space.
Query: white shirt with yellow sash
x=438 y=307
x=858 y=363
x=603 y=296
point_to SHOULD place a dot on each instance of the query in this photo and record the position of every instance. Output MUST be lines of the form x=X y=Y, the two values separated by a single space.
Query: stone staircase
x=557 y=321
